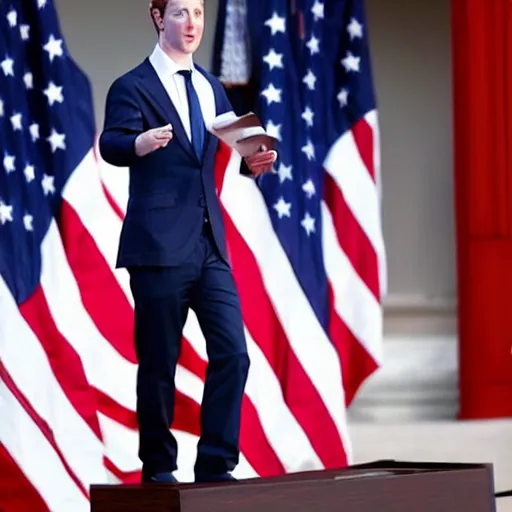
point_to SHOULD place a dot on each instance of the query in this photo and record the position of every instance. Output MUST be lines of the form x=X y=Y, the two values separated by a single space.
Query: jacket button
x=202 y=202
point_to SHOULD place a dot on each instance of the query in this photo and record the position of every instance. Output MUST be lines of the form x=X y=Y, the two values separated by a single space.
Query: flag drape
x=305 y=244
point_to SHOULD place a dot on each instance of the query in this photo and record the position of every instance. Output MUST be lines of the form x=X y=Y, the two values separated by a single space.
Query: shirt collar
x=164 y=65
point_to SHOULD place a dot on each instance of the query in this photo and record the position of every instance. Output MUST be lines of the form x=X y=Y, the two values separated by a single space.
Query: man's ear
x=155 y=13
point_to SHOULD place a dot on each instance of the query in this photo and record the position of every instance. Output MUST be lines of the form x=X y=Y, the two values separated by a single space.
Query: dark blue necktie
x=197 y=126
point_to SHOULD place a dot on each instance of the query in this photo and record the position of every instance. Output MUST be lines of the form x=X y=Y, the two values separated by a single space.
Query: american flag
x=305 y=244
x=311 y=231
x=67 y=365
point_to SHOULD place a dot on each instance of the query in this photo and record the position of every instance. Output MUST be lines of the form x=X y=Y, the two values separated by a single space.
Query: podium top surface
x=389 y=485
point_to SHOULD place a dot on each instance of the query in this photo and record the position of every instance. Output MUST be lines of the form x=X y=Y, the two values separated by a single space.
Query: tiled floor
x=441 y=442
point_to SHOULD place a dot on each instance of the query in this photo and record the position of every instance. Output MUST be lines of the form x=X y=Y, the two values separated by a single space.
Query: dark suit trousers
x=162 y=298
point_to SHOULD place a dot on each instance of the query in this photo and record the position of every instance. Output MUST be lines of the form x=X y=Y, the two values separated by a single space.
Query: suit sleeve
x=123 y=123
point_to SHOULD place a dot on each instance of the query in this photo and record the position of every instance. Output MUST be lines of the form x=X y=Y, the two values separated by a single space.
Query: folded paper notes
x=245 y=134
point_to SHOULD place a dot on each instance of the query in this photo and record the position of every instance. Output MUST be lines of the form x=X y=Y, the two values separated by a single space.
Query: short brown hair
x=160 y=5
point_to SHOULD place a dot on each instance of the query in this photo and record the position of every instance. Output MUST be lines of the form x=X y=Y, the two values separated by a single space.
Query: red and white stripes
x=353 y=249
x=68 y=367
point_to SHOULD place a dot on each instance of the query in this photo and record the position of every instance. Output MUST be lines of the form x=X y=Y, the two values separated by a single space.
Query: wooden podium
x=383 y=486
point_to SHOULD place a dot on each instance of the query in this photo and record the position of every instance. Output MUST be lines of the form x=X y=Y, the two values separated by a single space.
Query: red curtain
x=482 y=99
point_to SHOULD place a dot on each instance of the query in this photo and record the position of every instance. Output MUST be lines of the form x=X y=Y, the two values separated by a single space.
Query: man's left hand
x=261 y=162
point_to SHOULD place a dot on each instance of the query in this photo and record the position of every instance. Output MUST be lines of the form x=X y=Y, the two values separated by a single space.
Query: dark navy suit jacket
x=171 y=190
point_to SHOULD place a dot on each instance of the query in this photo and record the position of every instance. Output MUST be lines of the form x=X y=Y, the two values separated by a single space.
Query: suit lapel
x=207 y=143
x=151 y=86
x=210 y=139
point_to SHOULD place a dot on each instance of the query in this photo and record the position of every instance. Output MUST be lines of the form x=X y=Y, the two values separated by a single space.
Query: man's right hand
x=153 y=139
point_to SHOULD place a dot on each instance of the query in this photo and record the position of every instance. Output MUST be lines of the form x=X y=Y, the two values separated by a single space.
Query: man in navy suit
x=173 y=242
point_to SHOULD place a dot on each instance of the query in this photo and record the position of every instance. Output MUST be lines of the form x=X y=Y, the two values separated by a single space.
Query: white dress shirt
x=174 y=84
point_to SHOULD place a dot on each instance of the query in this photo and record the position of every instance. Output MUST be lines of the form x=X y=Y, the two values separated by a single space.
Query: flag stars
x=309 y=189
x=308 y=116
x=351 y=62
x=284 y=172
x=310 y=80
x=9 y=163
x=308 y=223
x=276 y=24
x=28 y=78
x=273 y=59
x=309 y=150
x=48 y=184
x=54 y=94
x=28 y=222
x=54 y=48
x=343 y=97
x=41 y=3
x=16 y=122
x=318 y=10
x=274 y=130
x=34 y=131
x=272 y=94
x=12 y=18
x=30 y=173
x=57 y=140
x=7 y=66
x=355 y=29
x=314 y=45
x=25 y=32
x=5 y=213
x=283 y=208
x=230 y=8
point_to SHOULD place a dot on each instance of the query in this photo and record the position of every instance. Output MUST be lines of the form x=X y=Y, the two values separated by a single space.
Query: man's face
x=183 y=25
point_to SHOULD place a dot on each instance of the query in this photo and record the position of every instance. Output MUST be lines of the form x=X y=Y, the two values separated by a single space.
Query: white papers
x=244 y=134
